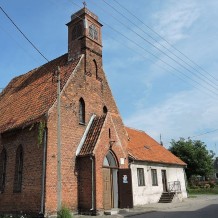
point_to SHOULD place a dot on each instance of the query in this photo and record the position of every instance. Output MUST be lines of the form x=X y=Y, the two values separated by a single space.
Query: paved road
x=207 y=212
x=205 y=207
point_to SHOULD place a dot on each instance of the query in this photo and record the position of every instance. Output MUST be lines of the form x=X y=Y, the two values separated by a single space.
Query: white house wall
x=151 y=194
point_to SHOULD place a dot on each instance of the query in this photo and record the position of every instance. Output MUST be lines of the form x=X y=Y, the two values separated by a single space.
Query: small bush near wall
x=64 y=213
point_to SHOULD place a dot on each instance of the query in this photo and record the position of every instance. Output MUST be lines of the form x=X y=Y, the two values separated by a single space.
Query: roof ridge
x=139 y=130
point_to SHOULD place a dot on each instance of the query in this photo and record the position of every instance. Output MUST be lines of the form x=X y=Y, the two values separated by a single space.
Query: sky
x=160 y=58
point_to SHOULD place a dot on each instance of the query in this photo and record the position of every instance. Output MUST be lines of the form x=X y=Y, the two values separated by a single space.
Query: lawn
x=198 y=190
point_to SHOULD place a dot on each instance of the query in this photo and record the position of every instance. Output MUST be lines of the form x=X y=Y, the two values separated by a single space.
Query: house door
x=164 y=180
x=110 y=185
x=107 y=188
x=125 y=188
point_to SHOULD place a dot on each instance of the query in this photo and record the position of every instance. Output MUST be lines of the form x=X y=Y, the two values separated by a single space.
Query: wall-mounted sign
x=125 y=179
x=122 y=160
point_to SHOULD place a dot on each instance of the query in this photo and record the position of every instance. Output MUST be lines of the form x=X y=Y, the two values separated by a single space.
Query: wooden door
x=164 y=180
x=107 y=188
x=125 y=188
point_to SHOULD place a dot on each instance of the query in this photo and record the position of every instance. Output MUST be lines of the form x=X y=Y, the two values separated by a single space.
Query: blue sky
x=177 y=99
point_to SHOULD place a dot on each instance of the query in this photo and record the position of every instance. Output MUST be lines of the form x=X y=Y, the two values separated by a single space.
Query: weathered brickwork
x=29 y=199
x=96 y=95
x=88 y=81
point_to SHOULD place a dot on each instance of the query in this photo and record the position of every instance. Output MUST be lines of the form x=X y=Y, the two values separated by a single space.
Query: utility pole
x=59 y=185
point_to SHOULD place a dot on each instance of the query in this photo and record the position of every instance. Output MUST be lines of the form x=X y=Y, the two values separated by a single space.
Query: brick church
x=91 y=170
x=93 y=137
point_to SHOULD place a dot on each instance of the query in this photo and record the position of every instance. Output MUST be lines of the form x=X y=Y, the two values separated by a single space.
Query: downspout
x=93 y=206
x=43 y=173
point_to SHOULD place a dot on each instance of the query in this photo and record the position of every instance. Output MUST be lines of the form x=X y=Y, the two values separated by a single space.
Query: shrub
x=64 y=212
x=207 y=186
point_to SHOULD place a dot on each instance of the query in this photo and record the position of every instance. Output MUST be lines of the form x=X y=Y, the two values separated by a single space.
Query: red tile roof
x=92 y=136
x=144 y=148
x=28 y=97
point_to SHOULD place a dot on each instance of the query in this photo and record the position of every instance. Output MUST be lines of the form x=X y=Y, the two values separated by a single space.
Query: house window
x=154 y=177
x=81 y=111
x=18 y=170
x=141 y=177
x=3 y=160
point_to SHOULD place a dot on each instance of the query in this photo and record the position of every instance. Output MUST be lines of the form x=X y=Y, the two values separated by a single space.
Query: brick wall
x=96 y=94
x=84 y=184
x=29 y=199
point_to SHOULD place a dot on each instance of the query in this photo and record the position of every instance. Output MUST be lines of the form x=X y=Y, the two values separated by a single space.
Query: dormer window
x=93 y=32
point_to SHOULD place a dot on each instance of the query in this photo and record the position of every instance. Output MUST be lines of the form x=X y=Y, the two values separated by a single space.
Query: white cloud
x=183 y=114
x=174 y=21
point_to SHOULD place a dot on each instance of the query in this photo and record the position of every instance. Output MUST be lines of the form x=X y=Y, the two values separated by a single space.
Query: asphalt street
x=200 y=206
x=206 y=212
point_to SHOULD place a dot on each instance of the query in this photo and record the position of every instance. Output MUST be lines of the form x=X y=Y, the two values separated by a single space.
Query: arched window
x=82 y=111
x=95 y=68
x=110 y=160
x=18 y=169
x=77 y=31
x=105 y=110
x=3 y=161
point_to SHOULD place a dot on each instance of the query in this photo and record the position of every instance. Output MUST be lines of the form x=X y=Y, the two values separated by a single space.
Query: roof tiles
x=29 y=96
x=92 y=136
x=144 y=148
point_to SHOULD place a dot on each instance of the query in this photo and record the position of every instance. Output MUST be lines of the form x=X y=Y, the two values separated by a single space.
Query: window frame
x=18 y=176
x=154 y=177
x=93 y=32
x=3 y=163
x=82 y=117
x=141 y=176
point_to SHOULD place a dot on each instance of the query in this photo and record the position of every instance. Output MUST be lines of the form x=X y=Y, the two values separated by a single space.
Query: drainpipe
x=91 y=158
x=41 y=214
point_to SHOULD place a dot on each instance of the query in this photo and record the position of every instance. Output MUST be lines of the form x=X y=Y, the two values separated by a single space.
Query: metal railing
x=174 y=186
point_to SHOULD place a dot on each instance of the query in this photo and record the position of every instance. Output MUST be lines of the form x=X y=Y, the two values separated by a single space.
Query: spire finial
x=84 y=3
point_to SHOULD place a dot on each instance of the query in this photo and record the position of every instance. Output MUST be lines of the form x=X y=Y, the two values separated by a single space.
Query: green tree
x=195 y=154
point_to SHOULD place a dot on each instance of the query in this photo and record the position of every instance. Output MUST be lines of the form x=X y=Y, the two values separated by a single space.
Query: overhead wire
x=166 y=41
x=165 y=47
x=23 y=34
x=181 y=65
x=35 y=48
x=132 y=41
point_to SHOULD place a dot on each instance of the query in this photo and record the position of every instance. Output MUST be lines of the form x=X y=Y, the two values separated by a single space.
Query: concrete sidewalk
x=191 y=203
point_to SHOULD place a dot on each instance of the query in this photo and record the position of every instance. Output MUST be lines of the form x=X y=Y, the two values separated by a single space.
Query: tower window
x=93 y=32
x=18 y=169
x=95 y=68
x=105 y=110
x=3 y=160
x=82 y=111
x=77 y=31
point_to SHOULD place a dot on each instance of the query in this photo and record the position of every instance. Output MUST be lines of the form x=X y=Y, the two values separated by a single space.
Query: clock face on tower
x=93 y=32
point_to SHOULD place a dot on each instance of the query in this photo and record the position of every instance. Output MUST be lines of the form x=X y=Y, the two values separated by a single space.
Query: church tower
x=84 y=37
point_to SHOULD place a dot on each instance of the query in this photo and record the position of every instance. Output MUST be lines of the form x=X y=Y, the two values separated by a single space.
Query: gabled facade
x=155 y=170
x=95 y=172
x=29 y=122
